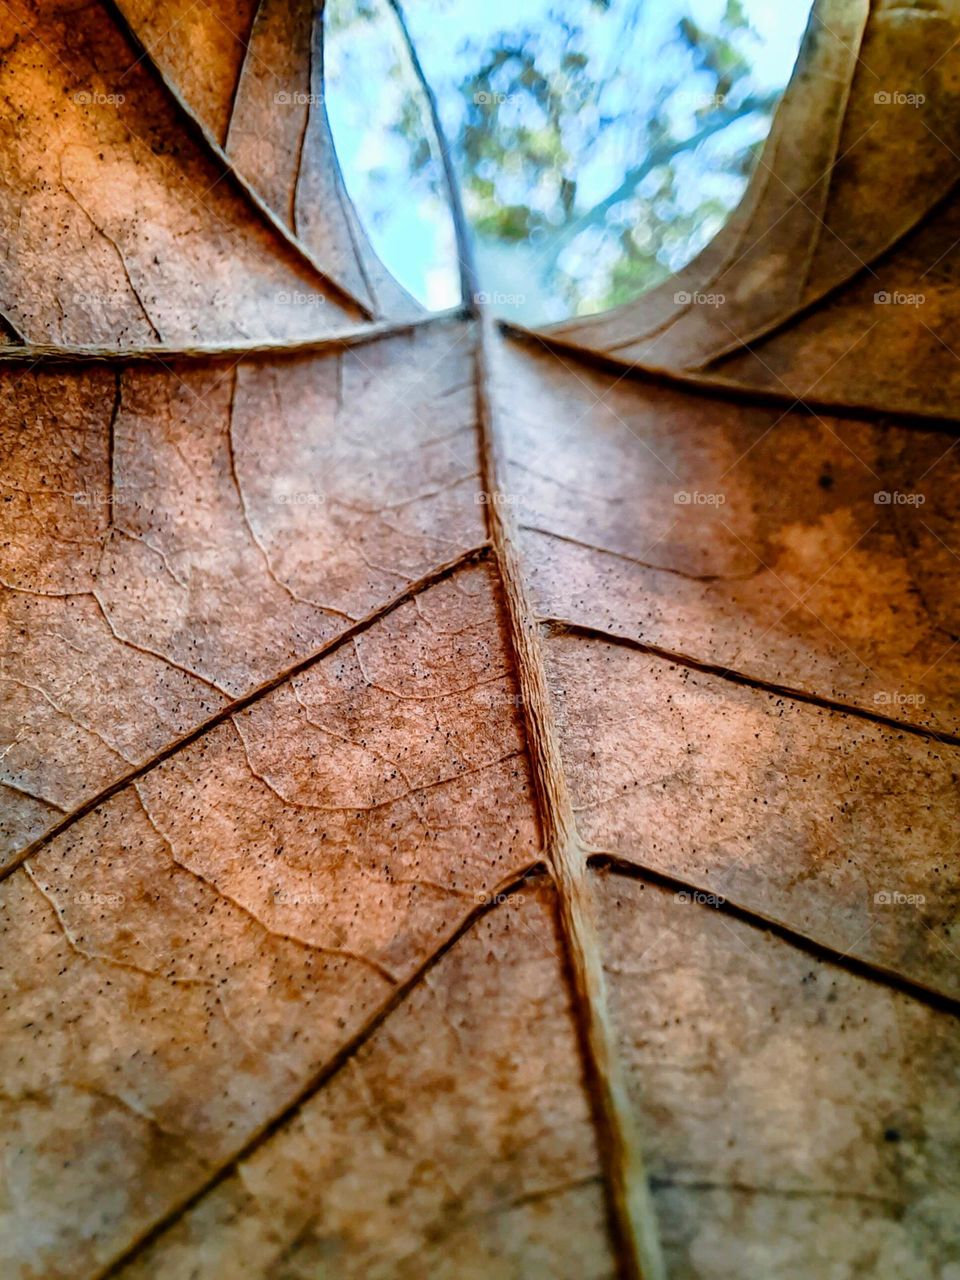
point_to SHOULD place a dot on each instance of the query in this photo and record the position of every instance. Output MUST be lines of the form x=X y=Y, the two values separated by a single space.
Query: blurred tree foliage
x=599 y=143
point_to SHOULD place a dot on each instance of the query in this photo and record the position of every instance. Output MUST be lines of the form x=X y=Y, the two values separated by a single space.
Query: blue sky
x=408 y=222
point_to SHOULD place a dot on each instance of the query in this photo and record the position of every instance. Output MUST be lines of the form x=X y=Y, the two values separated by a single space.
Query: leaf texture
x=467 y=811
x=251 y=76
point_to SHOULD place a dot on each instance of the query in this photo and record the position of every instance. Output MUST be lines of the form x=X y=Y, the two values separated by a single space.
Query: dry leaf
x=467 y=812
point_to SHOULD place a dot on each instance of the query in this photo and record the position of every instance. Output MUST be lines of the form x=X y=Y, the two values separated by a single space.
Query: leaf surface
x=467 y=811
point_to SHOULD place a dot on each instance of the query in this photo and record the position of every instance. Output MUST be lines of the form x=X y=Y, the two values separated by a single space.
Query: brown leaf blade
x=177 y=538
x=466 y=810
x=464 y=1184
x=252 y=77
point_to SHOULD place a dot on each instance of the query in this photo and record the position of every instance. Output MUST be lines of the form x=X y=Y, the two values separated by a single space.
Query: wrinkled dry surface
x=466 y=813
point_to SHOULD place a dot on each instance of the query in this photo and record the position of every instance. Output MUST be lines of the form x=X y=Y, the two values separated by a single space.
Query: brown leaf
x=467 y=812
x=256 y=90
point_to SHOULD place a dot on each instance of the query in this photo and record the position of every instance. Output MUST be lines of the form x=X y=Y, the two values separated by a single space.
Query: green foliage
x=539 y=103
